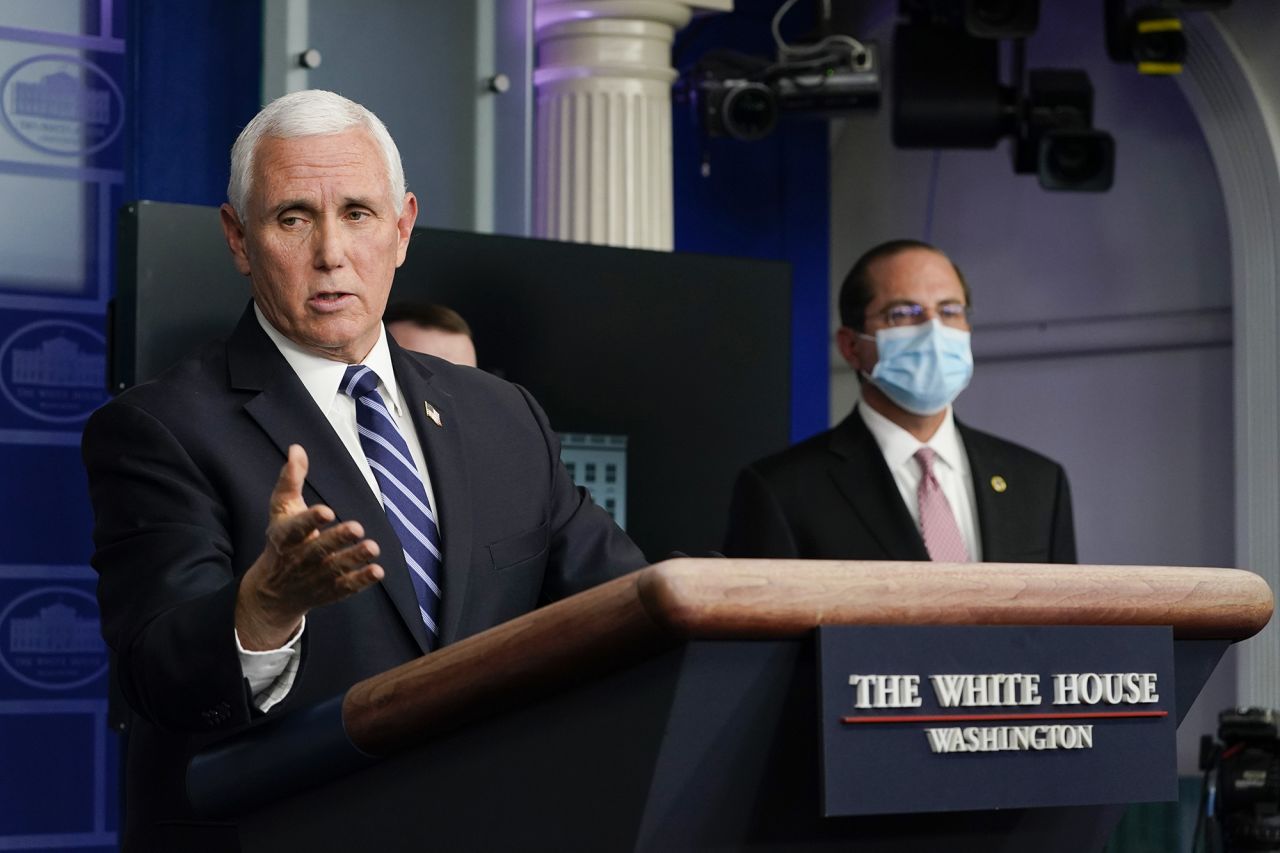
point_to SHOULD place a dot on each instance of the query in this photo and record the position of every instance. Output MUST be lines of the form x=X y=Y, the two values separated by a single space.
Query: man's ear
x=847 y=341
x=234 y=232
x=404 y=225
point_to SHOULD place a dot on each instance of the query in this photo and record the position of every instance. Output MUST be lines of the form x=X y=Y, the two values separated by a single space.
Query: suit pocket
x=519 y=548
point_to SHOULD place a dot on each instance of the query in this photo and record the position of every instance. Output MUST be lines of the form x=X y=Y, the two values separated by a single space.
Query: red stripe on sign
x=962 y=718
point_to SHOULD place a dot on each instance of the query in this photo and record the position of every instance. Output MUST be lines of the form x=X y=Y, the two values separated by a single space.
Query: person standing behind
x=900 y=478
x=432 y=329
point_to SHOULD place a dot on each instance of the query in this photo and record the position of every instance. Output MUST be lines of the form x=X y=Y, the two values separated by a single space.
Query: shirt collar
x=898 y=446
x=322 y=376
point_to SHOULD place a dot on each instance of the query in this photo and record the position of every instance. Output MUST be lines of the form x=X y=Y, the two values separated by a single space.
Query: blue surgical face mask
x=922 y=368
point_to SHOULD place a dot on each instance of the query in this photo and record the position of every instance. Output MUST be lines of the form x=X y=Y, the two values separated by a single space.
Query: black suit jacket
x=180 y=473
x=833 y=497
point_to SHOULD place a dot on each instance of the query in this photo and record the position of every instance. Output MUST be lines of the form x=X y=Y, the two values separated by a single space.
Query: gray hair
x=313 y=112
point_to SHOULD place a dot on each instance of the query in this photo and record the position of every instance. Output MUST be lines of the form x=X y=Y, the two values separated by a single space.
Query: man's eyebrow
x=359 y=201
x=308 y=206
x=292 y=204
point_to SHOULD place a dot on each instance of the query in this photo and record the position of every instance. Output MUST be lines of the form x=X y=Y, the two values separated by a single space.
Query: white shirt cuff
x=271 y=672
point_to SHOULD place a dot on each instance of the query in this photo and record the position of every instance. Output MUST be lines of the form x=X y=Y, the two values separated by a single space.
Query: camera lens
x=1160 y=47
x=749 y=111
x=1074 y=160
x=1077 y=160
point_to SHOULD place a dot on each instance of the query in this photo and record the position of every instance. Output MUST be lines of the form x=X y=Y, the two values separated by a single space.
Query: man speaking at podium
x=900 y=478
x=307 y=504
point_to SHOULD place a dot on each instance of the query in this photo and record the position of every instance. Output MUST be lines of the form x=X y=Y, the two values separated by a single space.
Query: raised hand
x=308 y=561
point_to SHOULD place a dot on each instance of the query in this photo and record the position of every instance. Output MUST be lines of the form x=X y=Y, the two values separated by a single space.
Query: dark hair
x=427 y=315
x=858 y=289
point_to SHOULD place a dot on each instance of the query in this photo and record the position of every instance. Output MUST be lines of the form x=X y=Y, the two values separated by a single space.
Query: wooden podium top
x=646 y=611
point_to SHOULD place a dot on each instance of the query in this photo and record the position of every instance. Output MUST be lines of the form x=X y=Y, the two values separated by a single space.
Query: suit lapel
x=866 y=482
x=288 y=415
x=983 y=468
x=443 y=448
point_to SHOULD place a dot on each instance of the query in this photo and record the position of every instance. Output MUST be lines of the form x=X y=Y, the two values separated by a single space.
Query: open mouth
x=330 y=299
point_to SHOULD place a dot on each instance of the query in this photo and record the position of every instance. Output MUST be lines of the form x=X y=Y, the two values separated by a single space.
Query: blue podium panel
x=935 y=719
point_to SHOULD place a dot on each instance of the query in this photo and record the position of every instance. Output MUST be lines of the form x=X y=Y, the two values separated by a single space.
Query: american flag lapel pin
x=432 y=413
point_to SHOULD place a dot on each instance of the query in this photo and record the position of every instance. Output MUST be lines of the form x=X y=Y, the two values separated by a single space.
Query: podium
x=675 y=708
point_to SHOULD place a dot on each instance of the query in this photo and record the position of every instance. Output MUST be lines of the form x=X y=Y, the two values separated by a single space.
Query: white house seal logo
x=61 y=104
x=54 y=370
x=51 y=638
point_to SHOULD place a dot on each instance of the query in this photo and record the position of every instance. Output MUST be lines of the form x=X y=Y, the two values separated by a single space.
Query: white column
x=1226 y=90
x=603 y=127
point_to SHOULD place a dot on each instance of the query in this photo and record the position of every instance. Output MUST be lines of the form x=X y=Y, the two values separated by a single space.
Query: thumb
x=286 y=497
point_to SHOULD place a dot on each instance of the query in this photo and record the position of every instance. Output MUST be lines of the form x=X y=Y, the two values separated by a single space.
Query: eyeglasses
x=912 y=314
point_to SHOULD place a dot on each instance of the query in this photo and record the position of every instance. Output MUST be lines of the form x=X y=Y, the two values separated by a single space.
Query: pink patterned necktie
x=937 y=522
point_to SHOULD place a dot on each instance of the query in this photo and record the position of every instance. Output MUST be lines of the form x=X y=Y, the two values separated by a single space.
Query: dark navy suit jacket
x=180 y=473
x=833 y=497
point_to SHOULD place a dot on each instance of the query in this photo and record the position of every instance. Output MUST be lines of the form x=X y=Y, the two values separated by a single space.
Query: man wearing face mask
x=900 y=478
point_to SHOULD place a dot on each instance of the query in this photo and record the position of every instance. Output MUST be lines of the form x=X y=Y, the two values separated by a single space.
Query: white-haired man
x=307 y=504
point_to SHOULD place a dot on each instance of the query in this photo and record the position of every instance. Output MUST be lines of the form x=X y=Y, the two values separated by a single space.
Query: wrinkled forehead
x=915 y=275
x=354 y=146
x=350 y=160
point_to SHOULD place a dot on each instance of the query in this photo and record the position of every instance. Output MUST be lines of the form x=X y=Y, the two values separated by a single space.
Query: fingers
x=290 y=530
x=348 y=558
x=286 y=497
x=330 y=561
x=352 y=582
x=308 y=537
x=343 y=546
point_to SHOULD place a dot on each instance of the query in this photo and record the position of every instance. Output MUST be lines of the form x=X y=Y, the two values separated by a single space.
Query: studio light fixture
x=949 y=92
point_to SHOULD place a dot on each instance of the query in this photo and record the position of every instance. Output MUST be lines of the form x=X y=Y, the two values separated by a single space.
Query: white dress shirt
x=271 y=673
x=951 y=468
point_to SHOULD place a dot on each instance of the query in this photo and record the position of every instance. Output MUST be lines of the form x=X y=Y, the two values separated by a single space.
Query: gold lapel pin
x=998 y=484
x=433 y=414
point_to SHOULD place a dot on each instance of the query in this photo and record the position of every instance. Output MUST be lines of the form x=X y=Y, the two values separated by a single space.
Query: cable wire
x=852 y=46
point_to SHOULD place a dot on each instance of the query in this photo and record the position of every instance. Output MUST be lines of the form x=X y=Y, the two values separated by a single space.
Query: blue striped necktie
x=404 y=497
